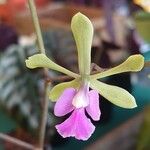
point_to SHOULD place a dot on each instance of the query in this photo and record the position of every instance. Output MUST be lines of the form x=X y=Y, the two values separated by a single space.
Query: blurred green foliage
x=142 y=20
x=144 y=135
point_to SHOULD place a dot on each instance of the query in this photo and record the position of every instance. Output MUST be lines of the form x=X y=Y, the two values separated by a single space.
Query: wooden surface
x=57 y=16
x=121 y=138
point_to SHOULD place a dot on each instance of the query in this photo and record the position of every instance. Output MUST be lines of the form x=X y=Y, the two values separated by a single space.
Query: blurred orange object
x=9 y=8
x=20 y=5
x=17 y=5
x=41 y=3
x=5 y=14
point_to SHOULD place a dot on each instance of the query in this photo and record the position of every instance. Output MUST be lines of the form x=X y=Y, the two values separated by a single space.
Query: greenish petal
x=134 y=63
x=114 y=94
x=59 y=88
x=41 y=60
x=82 y=29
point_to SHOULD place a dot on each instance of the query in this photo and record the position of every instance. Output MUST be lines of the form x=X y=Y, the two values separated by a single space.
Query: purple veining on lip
x=77 y=125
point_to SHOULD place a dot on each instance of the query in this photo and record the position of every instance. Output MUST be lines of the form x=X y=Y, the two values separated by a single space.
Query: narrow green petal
x=134 y=63
x=59 y=88
x=114 y=94
x=41 y=60
x=82 y=29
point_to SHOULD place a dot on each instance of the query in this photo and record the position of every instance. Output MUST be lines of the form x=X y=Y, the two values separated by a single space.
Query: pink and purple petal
x=64 y=104
x=77 y=125
x=93 y=108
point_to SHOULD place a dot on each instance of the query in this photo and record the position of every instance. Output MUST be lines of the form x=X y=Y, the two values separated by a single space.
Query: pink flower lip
x=77 y=125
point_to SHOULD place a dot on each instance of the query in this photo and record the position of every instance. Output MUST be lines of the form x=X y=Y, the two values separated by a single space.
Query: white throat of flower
x=81 y=99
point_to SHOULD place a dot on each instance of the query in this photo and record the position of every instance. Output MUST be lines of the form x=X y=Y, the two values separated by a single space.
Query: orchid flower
x=74 y=97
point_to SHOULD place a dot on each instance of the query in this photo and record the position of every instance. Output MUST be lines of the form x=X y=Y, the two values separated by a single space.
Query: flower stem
x=42 y=127
x=36 y=26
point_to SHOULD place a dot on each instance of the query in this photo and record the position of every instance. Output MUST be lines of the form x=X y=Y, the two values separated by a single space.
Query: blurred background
x=122 y=28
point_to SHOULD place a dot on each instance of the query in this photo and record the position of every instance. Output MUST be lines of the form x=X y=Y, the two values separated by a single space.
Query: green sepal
x=82 y=29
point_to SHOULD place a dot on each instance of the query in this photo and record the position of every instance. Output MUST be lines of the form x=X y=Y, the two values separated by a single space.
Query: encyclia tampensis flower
x=74 y=97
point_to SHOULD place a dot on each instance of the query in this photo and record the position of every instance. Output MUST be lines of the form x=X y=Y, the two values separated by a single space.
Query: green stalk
x=36 y=26
x=42 y=127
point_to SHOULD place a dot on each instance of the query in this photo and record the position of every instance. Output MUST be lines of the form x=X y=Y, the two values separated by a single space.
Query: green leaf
x=134 y=63
x=114 y=94
x=58 y=89
x=82 y=29
x=41 y=60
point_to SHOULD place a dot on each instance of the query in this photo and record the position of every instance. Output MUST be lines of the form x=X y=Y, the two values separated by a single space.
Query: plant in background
x=75 y=96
